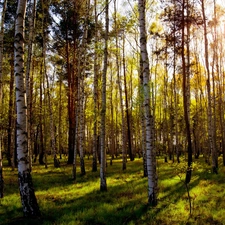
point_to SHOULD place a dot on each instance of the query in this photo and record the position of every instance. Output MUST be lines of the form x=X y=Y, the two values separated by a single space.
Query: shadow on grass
x=124 y=203
x=120 y=205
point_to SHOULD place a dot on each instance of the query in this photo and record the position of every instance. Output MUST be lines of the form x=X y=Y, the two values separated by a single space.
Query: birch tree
x=81 y=84
x=28 y=198
x=103 y=185
x=150 y=153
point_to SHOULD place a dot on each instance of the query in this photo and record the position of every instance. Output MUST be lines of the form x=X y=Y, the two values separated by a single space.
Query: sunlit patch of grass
x=63 y=201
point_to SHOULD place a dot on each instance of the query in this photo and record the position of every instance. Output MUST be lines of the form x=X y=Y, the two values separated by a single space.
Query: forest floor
x=65 y=202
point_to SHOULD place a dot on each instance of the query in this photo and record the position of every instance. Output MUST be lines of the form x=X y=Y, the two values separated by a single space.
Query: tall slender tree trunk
x=74 y=170
x=214 y=103
x=130 y=150
x=186 y=101
x=81 y=83
x=11 y=111
x=124 y=158
x=174 y=89
x=60 y=119
x=52 y=127
x=80 y=124
x=112 y=132
x=40 y=130
x=28 y=198
x=32 y=15
x=95 y=94
x=208 y=85
x=150 y=152
x=143 y=125
x=103 y=184
x=72 y=82
x=1 y=72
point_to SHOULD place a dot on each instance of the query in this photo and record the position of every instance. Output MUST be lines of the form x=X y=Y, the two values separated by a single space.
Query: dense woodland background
x=85 y=79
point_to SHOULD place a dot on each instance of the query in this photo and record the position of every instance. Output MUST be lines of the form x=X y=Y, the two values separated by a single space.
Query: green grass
x=63 y=201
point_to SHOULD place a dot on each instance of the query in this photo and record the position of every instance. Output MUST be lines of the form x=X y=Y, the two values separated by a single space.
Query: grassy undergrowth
x=63 y=201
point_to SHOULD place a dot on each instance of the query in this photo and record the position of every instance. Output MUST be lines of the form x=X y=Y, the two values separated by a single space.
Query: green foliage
x=64 y=202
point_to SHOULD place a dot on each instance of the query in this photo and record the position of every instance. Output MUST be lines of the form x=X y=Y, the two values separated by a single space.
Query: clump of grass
x=63 y=201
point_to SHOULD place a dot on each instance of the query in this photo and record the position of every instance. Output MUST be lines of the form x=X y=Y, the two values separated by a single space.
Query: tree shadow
x=123 y=203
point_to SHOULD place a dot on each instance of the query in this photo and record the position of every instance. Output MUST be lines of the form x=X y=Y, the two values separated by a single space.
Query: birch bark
x=103 y=185
x=28 y=198
x=150 y=153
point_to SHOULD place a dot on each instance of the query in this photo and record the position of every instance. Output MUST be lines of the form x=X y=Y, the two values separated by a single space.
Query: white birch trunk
x=103 y=184
x=28 y=198
x=81 y=122
x=81 y=80
x=150 y=153
x=143 y=126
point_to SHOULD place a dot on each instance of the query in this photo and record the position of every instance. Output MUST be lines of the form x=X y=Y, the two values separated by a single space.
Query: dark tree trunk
x=127 y=107
x=10 y=113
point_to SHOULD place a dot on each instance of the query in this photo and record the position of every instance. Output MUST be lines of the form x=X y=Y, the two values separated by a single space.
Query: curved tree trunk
x=28 y=198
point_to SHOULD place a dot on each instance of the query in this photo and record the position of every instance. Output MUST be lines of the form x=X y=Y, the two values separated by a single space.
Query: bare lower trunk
x=74 y=170
x=81 y=125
